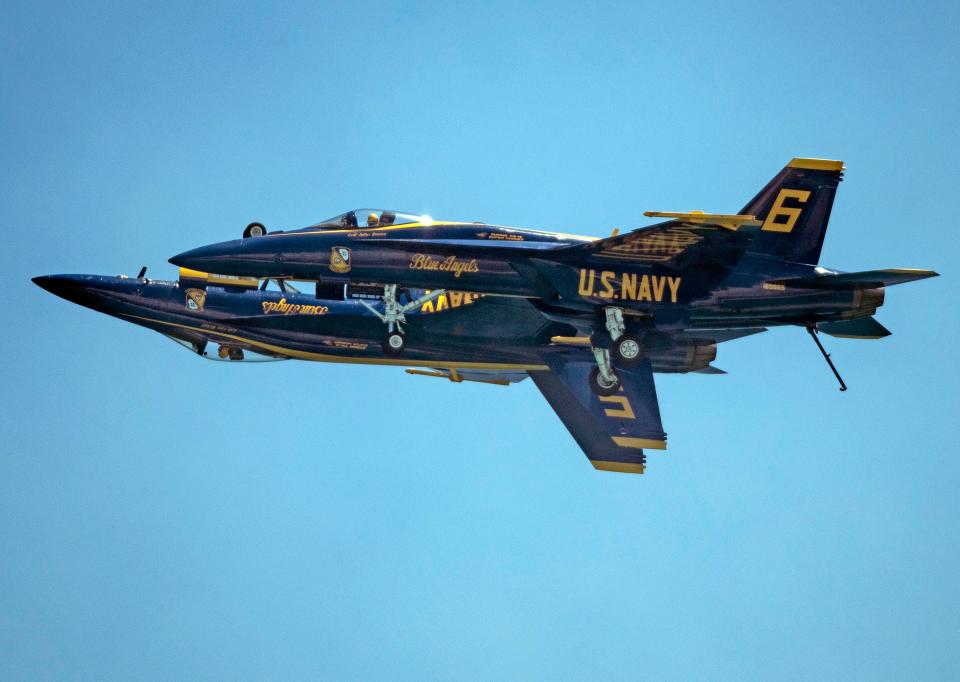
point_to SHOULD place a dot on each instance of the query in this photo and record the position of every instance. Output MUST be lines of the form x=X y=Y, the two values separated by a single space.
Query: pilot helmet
x=372 y=220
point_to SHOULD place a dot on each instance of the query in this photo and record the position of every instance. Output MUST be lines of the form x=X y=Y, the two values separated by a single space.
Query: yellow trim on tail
x=640 y=443
x=619 y=467
x=817 y=164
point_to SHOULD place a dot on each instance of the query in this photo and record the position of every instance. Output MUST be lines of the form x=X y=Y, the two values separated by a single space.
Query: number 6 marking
x=790 y=213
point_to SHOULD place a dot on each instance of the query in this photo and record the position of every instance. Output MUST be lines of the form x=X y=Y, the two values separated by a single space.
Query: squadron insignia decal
x=285 y=308
x=340 y=259
x=457 y=266
x=195 y=299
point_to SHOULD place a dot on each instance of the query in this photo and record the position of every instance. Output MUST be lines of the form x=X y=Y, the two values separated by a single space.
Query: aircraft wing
x=690 y=239
x=611 y=430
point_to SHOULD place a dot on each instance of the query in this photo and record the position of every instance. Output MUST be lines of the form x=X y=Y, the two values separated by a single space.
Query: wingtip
x=619 y=467
x=913 y=273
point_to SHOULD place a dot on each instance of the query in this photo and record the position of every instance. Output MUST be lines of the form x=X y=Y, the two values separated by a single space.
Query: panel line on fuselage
x=439 y=223
x=320 y=357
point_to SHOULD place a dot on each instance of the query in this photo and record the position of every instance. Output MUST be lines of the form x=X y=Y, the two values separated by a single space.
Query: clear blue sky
x=167 y=518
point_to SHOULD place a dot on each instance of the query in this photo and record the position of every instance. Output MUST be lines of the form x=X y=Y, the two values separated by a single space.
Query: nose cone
x=74 y=288
x=99 y=292
x=253 y=257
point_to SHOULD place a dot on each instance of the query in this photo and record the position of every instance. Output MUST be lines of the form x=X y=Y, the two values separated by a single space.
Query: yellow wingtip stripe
x=640 y=443
x=817 y=164
x=619 y=467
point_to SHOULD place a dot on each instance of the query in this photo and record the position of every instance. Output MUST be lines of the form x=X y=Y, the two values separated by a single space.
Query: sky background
x=162 y=517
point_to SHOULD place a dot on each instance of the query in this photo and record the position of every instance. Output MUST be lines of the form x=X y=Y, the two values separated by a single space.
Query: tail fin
x=795 y=208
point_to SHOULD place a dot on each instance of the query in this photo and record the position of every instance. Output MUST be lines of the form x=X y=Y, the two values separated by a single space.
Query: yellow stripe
x=405 y=226
x=228 y=280
x=319 y=357
x=187 y=273
x=425 y=373
x=571 y=340
x=639 y=443
x=817 y=164
x=233 y=281
x=621 y=467
x=436 y=223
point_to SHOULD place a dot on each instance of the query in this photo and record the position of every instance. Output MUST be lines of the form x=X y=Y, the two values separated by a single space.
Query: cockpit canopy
x=370 y=217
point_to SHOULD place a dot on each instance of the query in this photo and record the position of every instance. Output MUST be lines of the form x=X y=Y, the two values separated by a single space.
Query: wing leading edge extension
x=611 y=430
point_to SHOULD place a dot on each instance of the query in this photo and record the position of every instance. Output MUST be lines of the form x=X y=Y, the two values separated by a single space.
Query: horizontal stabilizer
x=860 y=328
x=853 y=280
x=710 y=369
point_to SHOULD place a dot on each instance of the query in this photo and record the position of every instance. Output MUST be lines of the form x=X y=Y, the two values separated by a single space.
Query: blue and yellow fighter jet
x=589 y=320
x=458 y=336
x=625 y=295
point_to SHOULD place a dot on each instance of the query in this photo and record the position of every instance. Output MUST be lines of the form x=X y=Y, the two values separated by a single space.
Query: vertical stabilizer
x=794 y=208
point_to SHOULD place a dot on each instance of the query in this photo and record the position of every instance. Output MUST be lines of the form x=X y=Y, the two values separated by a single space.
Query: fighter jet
x=454 y=335
x=626 y=296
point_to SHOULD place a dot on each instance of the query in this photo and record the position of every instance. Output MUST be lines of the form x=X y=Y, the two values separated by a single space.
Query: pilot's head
x=372 y=220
